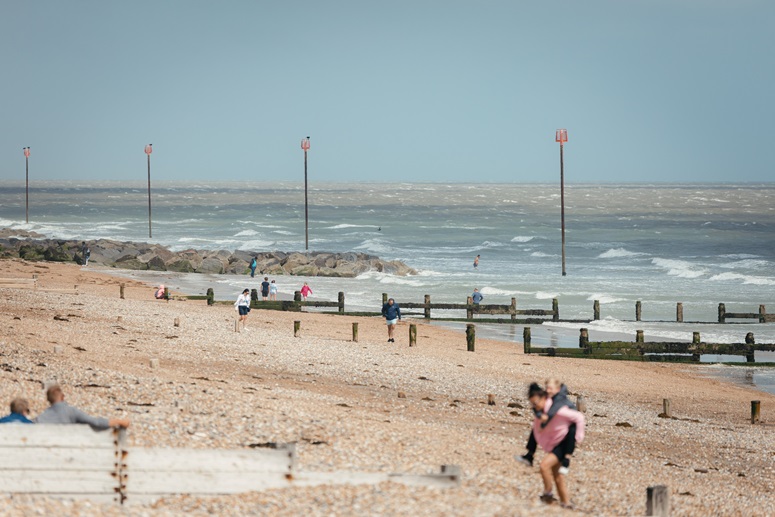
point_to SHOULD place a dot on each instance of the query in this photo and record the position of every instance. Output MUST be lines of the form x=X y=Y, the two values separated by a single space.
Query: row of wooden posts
x=640 y=350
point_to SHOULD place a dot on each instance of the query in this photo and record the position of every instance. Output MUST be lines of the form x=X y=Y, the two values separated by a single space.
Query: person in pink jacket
x=551 y=438
x=306 y=290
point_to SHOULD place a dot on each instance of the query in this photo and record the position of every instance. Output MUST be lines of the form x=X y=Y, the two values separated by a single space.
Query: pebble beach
x=203 y=385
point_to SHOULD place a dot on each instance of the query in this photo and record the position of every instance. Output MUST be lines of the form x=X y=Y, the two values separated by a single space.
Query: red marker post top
x=149 y=149
x=305 y=144
x=561 y=136
x=27 y=152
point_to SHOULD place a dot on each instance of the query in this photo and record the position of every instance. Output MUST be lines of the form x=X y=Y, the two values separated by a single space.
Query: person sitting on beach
x=265 y=289
x=243 y=306
x=272 y=290
x=392 y=313
x=159 y=294
x=60 y=412
x=477 y=297
x=306 y=290
x=20 y=411
x=558 y=392
x=551 y=439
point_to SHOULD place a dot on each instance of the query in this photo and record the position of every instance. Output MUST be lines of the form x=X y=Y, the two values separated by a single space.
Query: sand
x=339 y=401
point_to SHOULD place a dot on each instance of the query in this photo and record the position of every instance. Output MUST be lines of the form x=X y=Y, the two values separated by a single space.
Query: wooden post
x=513 y=309
x=556 y=309
x=120 y=319
x=679 y=312
x=427 y=307
x=384 y=298
x=341 y=302
x=583 y=338
x=581 y=404
x=412 y=334
x=596 y=310
x=121 y=291
x=639 y=336
x=296 y=328
x=253 y=295
x=490 y=399
x=637 y=310
x=755 y=407
x=355 y=332
x=471 y=337
x=657 y=501
x=167 y=294
x=695 y=338
x=697 y=351
x=526 y=340
x=666 y=408
x=762 y=314
x=750 y=341
x=297 y=296
x=469 y=308
x=176 y=322
x=236 y=325
x=210 y=296
x=722 y=313
x=154 y=363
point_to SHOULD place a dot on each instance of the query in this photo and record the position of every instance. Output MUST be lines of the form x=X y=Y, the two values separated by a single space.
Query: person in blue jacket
x=20 y=410
x=392 y=313
x=477 y=297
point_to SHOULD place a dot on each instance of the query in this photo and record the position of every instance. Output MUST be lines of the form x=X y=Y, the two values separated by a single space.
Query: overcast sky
x=443 y=91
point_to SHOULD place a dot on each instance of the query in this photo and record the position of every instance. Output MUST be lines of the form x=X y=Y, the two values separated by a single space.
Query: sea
x=698 y=244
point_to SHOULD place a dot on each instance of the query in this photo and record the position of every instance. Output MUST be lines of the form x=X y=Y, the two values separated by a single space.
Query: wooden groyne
x=641 y=350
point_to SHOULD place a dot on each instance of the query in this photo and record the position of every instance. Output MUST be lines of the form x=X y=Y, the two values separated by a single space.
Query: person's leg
x=390 y=331
x=531 y=446
x=568 y=445
x=562 y=488
x=548 y=463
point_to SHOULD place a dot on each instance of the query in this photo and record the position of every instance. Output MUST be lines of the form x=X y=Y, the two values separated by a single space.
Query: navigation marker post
x=305 y=146
x=148 y=151
x=561 y=136
x=27 y=192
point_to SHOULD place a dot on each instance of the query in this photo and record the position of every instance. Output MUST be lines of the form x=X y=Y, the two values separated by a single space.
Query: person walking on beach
x=558 y=392
x=477 y=297
x=392 y=313
x=253 y=266
x=272 y=290
x=476 y=262
x=60 y=412
x=86 y=253
x=551 y=439
x=265 y=289
x=20 y=412
x=306 y=290
x=243 y=306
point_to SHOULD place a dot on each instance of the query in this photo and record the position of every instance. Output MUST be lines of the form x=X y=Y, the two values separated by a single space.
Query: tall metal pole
x=562 y=205
x=27 y=191
x=305 y=146
x=148 y=151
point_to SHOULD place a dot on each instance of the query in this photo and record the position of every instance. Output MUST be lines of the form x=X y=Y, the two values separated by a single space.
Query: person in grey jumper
x=60 y=412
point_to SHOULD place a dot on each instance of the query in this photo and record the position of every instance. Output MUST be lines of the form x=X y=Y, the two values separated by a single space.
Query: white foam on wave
x=541 y=254
x=345 y=225
x=679 y=268
x=605 y=299
x=283 y=232
x=746 y=279
x=494 y=291
x=375 y=246
x=522 y=238
x=540 y=295
x=747 y=264
x=385 y=278
x=619 y=253
x=246 y=233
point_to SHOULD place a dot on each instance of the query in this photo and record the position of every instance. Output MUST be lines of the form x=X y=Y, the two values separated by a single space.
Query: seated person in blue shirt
x=20 y=410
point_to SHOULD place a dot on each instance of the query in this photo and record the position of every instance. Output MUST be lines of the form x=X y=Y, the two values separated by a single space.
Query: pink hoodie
x=557 y=428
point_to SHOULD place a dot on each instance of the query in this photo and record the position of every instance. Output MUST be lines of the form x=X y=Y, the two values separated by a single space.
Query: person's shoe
x=392 y=340
x=547 y=498
x=525 y=460
x=567 y=506
x=564 y=471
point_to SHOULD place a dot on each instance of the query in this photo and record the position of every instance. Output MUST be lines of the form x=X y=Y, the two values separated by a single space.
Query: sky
x=401 y=91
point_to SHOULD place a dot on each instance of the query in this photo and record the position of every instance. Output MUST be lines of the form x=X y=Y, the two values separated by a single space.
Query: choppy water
x=700 y=244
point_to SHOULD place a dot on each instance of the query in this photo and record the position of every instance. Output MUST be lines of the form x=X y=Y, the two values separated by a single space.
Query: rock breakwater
x=155 y=257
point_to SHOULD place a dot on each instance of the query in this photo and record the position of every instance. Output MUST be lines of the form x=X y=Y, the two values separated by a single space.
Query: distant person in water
x=253 y=266
x=265 y=289
x=272 y=290
x=477 y=297
x=306 y=290
x=86 y=253
x=476 y=262
x=392 y=313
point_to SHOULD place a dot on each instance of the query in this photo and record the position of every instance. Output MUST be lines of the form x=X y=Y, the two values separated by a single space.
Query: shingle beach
x=339 y=401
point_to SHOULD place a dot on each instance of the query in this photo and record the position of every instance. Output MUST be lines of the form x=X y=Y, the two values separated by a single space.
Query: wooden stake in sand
x=471 y=337
x=637 y=310
x=296 y=328
x=596 y=310
x=355 y=332
x=236 y=325
x=154 y=363
x=679 y=312
x=210 y=296
x=490 y=399
x=657 y=501
x=526 y=340
x=581 y=404
x=412 y=334
x=666 y=408
x=121 y=291
x=639 y=336
x=176 y=322
x=755 y=408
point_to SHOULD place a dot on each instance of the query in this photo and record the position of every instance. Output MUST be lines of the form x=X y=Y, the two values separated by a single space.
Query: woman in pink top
x=305 y=291
x=550 y=439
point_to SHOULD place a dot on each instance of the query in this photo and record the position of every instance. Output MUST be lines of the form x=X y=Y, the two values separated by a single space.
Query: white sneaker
x=564 y=471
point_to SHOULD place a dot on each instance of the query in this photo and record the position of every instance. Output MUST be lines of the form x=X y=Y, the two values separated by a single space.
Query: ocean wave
x=619 y=253
x=679 y=268
x=345 y=225
x=605 y=299
x=545 y=296
x=494 y=291
x=541 y=254
x=522 y=238
x=746 y=263
x=746 y=279
x=283 y=232
x=375 y=246
x=246 y=233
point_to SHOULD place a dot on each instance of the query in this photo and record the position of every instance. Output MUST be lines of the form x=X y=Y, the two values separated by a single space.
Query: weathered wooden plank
x=53 y=458
x=741 y=315
x=49 y=435
x=57 y=482
x=218 y=460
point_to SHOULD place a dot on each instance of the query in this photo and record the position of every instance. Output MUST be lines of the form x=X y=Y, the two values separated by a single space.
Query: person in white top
x=243 y=306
